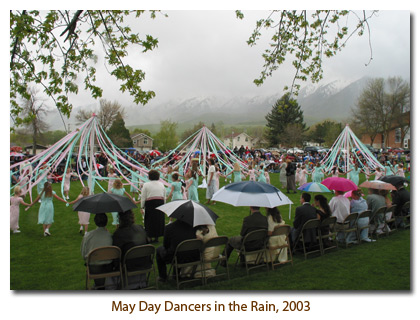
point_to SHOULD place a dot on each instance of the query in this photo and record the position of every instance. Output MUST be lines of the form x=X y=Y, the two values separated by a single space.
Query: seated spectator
x=174 y=234
x=399 y=198
x=303 y=213
x=274 y=220
x=340 y=208
x=358 y=204
x=100 y=237
x=205 y=233
x=255 y=221
x=323 y=211
x=375 y=201
x=129 y=235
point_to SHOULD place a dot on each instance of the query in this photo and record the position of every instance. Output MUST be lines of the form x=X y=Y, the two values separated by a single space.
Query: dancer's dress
x=135 y=183
x=237 y=176
x=283 y=177
x=251 y=173
x=400 y=172
x=66 y=185
x=46 y=210
x=261 y=176
x=193 y=190
x=119 y=192
x=40 y=185
x=23 y=183
x=298 y=176
x=177 y=194
x=388 y=170
x=354 y=175
x=111 y=180
x=83 y=216
x=318 y=175
x=303 y=177
x=14 y=212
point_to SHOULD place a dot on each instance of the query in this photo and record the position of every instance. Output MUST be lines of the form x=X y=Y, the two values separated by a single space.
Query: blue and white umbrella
x=314 y=187
x=251 y=194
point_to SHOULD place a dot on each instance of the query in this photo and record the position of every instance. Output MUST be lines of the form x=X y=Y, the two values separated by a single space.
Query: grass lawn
x=55 y=263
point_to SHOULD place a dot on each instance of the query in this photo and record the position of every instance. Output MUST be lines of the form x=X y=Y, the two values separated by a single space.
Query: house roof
x=139 y=135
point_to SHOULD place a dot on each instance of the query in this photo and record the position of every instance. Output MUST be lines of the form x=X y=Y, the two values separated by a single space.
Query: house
x=238 y=140
x=38 y=149
x=142 y=142
x=394 y=139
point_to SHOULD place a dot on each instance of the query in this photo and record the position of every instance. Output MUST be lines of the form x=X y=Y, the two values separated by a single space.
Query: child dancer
x=118 y=189
x=176 y=189
x=112 y=177
x=251 y=173
x=192 y=186
x=15 y=201
x=260 y=173
x=83 y=216
x=66 y=187
x=46 y=209
x=267 y=176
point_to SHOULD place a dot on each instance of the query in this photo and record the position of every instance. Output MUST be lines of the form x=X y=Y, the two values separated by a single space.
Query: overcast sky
x=203 y=53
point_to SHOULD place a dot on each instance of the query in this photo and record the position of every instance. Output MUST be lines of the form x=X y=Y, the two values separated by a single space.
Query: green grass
x=55 y=263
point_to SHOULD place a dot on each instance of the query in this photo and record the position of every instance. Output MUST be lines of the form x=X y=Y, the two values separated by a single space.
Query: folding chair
x=207 y=261
x=146 y=254
x=277 y=249
x=406 y=214
x=329 y=222
x=309 y=236
x=390 y=225
x=254 y=252
x=181 y=262
x=109 y=255
x=349 y=225
x=364 y=214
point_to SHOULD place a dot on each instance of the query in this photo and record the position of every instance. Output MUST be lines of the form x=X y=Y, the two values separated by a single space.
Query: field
x=55 y=263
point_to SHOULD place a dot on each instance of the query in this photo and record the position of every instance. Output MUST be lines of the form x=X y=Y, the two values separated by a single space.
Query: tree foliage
x=306 y=38
x=119 y=134
x=286 y=111
x=106 y=115
x=383 y=105
x=166 y=139
x=52 y=49
x=325 y=132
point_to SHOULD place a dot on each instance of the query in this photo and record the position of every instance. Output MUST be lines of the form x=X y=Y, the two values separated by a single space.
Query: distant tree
x=33 y=111
x=306 y=38
x=139 y=130
x=51 y=137
x=383 y=105
x=293 y=134
x=323 y=131
x=286 y=111
x=187 y=133
x=106 y=114
x=166 y=139
x=119 y=134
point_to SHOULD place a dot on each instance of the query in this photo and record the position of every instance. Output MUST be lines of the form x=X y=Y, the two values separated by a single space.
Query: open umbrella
x=251 y=194
x=191 y=212
x=104 y=202
x=339 y=184
x=155 y=153
x=394 y=180
x=377 y=184
x=314 y=187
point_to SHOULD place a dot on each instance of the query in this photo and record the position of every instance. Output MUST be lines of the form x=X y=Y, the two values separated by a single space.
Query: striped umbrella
x=314 y=187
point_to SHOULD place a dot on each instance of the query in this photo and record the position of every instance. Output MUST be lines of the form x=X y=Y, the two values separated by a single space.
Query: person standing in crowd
x=211 y=181
x=153 y=196
x=282 y=175
x=290 y=174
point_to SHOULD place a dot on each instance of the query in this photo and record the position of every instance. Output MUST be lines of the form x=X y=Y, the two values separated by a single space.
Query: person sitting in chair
x=100 y=237
x=255 y=221
x=303 y=213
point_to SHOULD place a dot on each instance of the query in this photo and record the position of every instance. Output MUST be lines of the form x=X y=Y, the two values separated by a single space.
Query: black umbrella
x=394 y=180
x=191 y=212
x=104 y=202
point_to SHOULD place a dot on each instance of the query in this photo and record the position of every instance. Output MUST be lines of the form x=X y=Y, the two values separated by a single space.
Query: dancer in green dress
x=46 y=209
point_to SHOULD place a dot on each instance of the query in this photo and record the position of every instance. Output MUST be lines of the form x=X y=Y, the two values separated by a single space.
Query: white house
x=238 y=140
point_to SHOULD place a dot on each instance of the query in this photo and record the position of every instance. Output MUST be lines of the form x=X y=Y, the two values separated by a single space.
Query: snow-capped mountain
x=328 y=100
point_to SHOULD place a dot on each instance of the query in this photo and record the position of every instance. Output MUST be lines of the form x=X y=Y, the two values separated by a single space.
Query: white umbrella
x=252 y=194
x=191 y=212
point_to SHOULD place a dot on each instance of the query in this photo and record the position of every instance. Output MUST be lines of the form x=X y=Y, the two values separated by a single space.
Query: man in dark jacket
x=399 y=198
x=254 y=221
x=174 y=234
x=303 y=213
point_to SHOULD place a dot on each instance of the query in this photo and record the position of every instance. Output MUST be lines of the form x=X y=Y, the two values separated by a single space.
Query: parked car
x=311 y=149
x=294 y=150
